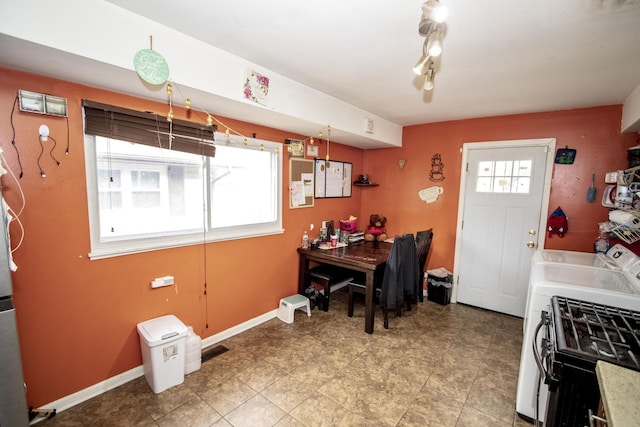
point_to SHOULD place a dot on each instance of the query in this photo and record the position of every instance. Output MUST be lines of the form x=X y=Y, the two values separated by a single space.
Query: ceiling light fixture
x=421 y=66
x=432 y=28
x=435 y=11
x=434 y=43
x=430 y=78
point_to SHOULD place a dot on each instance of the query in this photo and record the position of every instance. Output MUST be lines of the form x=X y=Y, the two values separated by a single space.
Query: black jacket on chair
x=401 y=275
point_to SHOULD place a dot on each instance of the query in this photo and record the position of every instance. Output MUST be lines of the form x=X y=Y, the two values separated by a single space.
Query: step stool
x=289 y=305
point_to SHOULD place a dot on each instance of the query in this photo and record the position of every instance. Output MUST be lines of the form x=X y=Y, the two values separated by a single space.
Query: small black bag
x=316 y=299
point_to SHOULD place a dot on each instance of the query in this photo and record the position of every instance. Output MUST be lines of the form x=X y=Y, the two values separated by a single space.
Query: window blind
x=148 y=129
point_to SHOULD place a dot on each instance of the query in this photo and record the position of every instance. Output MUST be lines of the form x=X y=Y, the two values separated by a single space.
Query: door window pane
x=504 y=176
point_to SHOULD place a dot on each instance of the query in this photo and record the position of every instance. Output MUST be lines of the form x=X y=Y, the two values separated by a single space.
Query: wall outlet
x=162 y=281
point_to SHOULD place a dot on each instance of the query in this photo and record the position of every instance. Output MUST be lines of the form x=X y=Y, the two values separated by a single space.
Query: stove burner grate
x=597 y=332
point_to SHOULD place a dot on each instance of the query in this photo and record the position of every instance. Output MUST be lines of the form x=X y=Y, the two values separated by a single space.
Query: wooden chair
x=398 y=282
x=423 y=245
x=328 y=277
x=357 y=286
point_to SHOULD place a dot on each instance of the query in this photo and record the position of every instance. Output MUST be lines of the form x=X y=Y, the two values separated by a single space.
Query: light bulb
x=429 y=79
x=209 y=120
x=43 y=130
x=428 y=84
x=435 y=11
x=187 y=103
x=420 y=66
x=434 y=44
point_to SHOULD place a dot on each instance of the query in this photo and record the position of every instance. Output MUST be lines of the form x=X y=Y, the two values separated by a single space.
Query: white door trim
x=550 y=143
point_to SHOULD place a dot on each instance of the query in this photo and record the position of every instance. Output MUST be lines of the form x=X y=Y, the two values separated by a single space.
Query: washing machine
x=617 y=257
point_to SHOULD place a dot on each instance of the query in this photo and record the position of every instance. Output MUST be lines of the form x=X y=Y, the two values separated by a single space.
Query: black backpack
x=316 y=299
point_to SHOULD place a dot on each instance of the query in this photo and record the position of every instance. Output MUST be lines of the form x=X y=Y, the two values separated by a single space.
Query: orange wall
x=594 y=132
x=76 y=317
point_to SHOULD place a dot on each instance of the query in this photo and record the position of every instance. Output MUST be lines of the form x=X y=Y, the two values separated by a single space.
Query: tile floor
x=437 y=365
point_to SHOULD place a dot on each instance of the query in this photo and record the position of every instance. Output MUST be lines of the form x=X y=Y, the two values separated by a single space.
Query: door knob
x=532 y=232
x=530 y=244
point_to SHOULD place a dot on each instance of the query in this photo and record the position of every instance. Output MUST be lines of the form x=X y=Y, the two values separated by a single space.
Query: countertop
x=620 y=392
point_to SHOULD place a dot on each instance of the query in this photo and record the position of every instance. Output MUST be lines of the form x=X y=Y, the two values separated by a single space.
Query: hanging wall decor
x=565 y=156
x=151 y=66
x=436 y=174
x=295 y=147
x=256 y=87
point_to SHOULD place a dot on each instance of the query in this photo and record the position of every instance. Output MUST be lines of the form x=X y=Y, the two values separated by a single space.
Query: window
x=143 y=197
x=504 y=176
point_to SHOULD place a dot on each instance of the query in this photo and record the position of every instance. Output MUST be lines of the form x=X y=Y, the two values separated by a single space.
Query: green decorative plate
x=151 y=66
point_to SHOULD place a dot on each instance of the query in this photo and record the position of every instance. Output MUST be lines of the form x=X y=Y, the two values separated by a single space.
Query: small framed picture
x=312 y=150
x=296 y=148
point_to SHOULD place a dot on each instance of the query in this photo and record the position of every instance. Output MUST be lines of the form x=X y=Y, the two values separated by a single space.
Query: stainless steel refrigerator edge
x=13 y=400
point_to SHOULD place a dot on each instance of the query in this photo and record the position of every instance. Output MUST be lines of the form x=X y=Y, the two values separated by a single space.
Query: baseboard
x=123 y=378
x=92 y=391
x=235 y=330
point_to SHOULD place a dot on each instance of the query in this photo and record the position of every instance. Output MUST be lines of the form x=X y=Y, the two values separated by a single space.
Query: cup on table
x=334 y=241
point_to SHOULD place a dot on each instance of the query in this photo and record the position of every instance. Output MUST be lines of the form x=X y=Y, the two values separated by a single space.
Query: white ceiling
x=500 y=56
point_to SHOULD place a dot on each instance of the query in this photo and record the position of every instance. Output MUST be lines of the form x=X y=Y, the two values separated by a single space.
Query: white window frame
x=106 y=249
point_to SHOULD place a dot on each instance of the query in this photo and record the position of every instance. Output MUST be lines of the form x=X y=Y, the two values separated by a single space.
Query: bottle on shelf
x=305 y=240
x=601 y=244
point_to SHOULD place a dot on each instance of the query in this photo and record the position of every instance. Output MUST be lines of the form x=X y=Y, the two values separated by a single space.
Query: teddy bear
x=376 y=229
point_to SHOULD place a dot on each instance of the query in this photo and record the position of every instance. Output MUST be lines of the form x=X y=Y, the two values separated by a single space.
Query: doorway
x=504 y=197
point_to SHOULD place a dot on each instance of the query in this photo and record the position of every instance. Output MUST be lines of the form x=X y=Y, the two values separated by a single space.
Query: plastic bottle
x=193 y=352
x=601 y=244
x=305 y=240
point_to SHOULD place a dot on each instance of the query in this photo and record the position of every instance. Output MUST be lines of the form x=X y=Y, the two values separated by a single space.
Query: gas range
x=577 y=335
x=586 y=332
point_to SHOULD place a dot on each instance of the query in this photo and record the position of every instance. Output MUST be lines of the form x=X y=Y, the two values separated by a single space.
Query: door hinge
x=462 y=224
x=467 y=167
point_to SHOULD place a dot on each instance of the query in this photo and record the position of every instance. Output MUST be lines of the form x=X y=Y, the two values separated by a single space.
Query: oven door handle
x=548 y=376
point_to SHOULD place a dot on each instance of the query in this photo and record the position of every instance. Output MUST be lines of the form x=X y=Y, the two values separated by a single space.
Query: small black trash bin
x=439 y=287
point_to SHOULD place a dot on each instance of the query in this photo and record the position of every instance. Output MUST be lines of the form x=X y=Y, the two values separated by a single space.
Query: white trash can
x=162 y=341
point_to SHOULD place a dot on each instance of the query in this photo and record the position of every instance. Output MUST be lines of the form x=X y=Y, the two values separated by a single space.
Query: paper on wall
x=297 y=193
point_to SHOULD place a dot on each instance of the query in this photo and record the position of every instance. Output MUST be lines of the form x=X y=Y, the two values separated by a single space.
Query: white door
x=503 y=194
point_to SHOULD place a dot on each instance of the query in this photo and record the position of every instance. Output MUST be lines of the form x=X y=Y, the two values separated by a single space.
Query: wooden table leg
x=303 y=269
x=370 y=310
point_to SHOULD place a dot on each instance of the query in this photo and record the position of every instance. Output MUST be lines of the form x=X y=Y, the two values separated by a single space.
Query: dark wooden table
x=366 y=257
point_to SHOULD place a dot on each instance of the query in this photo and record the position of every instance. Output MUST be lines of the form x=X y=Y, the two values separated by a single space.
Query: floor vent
x=212 y=352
